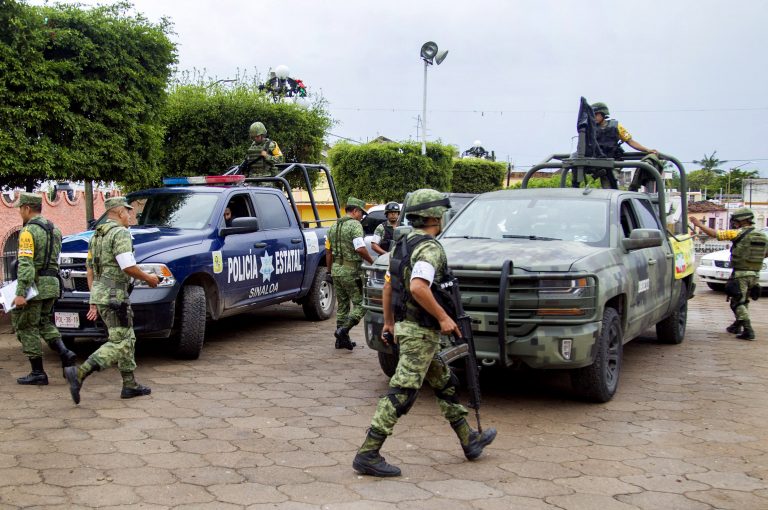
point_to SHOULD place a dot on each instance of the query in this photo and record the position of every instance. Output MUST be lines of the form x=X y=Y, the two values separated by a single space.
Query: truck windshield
x=547 y=219
x=175 y=210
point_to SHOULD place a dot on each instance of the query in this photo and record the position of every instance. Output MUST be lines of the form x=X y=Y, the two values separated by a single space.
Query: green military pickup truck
x=562 y=278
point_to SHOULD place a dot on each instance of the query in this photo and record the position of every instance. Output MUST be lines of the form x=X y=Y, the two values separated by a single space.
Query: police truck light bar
x=203 y=180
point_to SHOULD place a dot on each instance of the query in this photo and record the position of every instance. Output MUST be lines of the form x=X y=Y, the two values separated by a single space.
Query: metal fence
x=10 y=251
x=711 y=246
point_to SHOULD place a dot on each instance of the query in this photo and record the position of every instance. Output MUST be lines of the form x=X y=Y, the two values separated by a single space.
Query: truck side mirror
x=642 y=238
x=243 y=225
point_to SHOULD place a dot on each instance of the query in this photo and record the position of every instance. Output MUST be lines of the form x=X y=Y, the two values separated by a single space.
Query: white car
x=714 y=269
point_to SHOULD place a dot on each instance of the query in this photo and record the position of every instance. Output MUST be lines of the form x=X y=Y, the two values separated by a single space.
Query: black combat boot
x=748 y=333
x=68 y=358
x=131 y=388
x=735 y=328
x=472 y=442
x=37 y=376
x=369 y=462
x=75 y=376
x=342 y=339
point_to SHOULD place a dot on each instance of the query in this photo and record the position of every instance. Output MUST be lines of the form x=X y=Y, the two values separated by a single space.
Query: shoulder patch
x=26 y=244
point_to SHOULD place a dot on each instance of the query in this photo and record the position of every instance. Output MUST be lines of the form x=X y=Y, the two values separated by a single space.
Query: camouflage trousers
x=119 y=348
x=349 y=300
x=418 y=361
x=32 y=324
x=740 y=306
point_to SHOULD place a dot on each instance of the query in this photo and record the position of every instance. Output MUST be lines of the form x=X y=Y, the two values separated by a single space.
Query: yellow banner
x=682 y=247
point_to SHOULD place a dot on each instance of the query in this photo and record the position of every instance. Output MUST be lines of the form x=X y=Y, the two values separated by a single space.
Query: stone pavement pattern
x=271 y=416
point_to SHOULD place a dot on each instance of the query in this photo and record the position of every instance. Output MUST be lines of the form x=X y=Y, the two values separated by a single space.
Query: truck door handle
x=296 y=240
x=651 y=262
x=259 y=245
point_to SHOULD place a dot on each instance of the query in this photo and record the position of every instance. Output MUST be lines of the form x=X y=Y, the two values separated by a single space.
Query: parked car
x=714 y=269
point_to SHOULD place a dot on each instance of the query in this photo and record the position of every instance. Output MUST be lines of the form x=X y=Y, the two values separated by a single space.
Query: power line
x=569 y=112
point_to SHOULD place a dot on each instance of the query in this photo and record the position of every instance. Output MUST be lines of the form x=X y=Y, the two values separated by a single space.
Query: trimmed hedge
x=381 y=172
x=473 y=175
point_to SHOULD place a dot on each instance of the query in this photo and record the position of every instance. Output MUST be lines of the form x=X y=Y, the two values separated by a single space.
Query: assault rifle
x=463 y=347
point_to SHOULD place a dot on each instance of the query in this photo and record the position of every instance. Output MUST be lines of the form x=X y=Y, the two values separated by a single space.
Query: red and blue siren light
x=203 y=180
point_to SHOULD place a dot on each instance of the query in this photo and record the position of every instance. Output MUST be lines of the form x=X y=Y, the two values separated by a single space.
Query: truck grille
x=72 y=272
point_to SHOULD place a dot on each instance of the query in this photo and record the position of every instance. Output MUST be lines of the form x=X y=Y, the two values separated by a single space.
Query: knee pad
x=404 y=407
x=445 y=392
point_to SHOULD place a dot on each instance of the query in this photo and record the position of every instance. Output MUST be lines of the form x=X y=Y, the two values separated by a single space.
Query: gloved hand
x=329 y=278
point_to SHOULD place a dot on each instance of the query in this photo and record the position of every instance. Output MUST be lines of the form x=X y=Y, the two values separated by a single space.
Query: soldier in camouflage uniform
x=262 y=155
x=344 y=249
x=39 y=248
x=747 y=254
x=111 y=265
x=418 y=342
x=383 y=236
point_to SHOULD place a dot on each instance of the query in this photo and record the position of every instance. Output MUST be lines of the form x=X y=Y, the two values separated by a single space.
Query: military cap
x=356 y=202
x=30 y=199
x=113 y=202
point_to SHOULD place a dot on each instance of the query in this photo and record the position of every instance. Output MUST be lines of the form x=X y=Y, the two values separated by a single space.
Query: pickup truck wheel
x=598 y=382
x=388 y=363
x=672 y=329
x=191 y=323
x=719 y=287
x=319 y=303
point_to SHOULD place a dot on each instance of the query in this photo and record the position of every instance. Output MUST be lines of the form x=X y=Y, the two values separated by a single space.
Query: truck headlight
x=566 y=297
x=166 y=276
x=707 y=262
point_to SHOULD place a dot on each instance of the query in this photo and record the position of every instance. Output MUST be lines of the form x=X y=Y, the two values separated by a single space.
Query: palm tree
x=711 y=164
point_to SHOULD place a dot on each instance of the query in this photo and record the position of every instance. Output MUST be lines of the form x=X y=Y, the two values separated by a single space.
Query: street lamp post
x=429 y=55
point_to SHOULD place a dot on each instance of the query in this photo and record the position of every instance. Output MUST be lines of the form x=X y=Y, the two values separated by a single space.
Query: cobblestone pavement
x=271 y=416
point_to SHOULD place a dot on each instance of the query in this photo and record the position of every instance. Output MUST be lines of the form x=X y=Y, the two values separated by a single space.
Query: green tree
x=473 y=175
x=81 y=92
x=380 y=172
x=207 y=127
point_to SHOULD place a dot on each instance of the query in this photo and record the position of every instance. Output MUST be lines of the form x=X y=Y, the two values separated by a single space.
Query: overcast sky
x=685 y=77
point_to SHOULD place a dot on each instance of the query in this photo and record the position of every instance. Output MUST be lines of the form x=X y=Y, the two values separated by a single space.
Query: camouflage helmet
x=256 y=129
x=601 y=108
x=427 y=203
x=392 y=207
x=743 y=214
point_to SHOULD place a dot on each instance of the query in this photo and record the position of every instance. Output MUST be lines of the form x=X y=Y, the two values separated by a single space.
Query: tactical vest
x=386 y=240
x=608 y=139
x=97 y=249
x=405 y=307
x=748 y=250
x=49 y=267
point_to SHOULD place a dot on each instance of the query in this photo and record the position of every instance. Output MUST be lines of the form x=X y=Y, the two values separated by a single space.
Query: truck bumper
x=543 y=347
x=153 y=314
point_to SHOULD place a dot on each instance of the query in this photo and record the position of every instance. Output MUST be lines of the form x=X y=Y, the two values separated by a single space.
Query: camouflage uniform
x=110 y=292
x=262 y=166
x=32 y=322
x=346 y=272
x=418 y=345
x=747 y=253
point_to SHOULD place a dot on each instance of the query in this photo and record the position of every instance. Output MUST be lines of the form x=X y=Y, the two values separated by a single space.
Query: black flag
x=585 y=123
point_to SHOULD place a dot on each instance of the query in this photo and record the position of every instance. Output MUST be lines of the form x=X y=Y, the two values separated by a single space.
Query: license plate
x=66 y=319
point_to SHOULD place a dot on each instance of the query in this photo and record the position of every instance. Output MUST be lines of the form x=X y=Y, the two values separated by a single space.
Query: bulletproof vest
x=608 y=139
x=748 y=250
x=405 y=307
x=386 y=240
x=50 y=265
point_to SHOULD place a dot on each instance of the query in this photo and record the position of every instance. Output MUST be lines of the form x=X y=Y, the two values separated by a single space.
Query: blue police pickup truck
x=211 y=267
